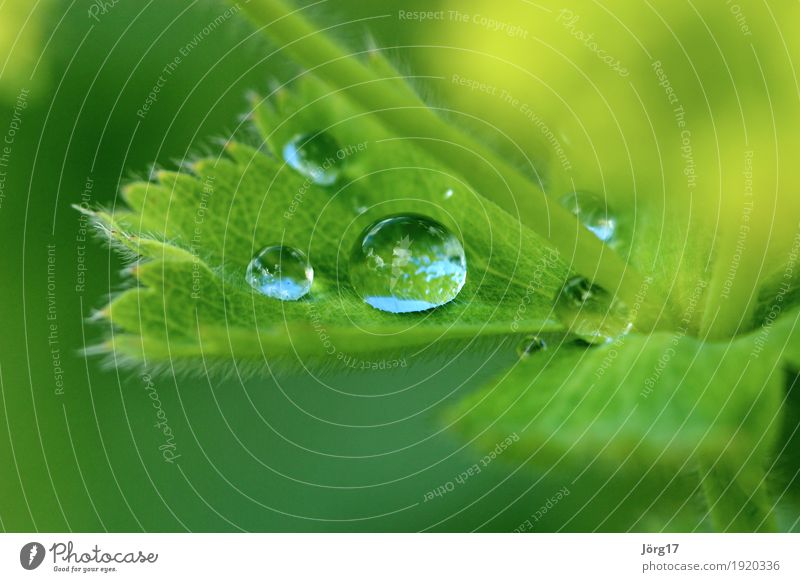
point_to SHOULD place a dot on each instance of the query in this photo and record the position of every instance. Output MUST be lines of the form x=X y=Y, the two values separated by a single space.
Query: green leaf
x=640 y=399
x=661 y=400
x=195 y=234
x=378 y=90
x=738 y=499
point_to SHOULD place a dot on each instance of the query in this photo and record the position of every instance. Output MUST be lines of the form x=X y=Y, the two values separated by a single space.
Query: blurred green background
x=284 y=453
x=347 y=452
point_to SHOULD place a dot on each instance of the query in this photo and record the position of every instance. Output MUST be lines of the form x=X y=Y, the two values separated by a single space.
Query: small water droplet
x=280 y=272
x=593 y=212
x=407 y=263
x=315 y=156
x=529 y=345
x=448 y=193
x=591 y=312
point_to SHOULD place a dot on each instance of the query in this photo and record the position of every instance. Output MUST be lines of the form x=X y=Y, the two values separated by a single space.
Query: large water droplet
x=280 y=272
x=591 y=312
x=593 y=213
x=315 y=156
x=529 y=345
x=407 y=263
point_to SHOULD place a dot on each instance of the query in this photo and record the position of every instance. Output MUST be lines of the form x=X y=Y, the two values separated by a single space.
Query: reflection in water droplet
x=315 y=155
x=529 y=345
x=407 y=263
x=593 y=213
x=280 y=272
x=591 y=312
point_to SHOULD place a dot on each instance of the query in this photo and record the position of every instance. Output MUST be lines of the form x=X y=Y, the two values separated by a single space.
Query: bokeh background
x=79 y=449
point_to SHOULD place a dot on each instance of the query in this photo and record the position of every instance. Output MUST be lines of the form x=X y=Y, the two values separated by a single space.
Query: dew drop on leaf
x=591 y=312
x=315 y=155
x=593 y=212
x=407 y=263
x=280 y=272
x=529 y=345
x=360 y=207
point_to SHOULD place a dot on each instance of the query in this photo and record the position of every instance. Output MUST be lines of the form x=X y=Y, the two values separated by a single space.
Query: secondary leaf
x=642 y=401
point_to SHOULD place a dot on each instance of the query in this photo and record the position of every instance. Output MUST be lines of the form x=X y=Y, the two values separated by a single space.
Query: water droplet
x=448 y=193
x=407 y=263
x=529 y=345
x=591 y=312
x=280 y=272
x=315 y=156
x=593 y=212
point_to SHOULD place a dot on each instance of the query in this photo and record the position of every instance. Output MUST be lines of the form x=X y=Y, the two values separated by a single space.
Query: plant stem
x=400 y=109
